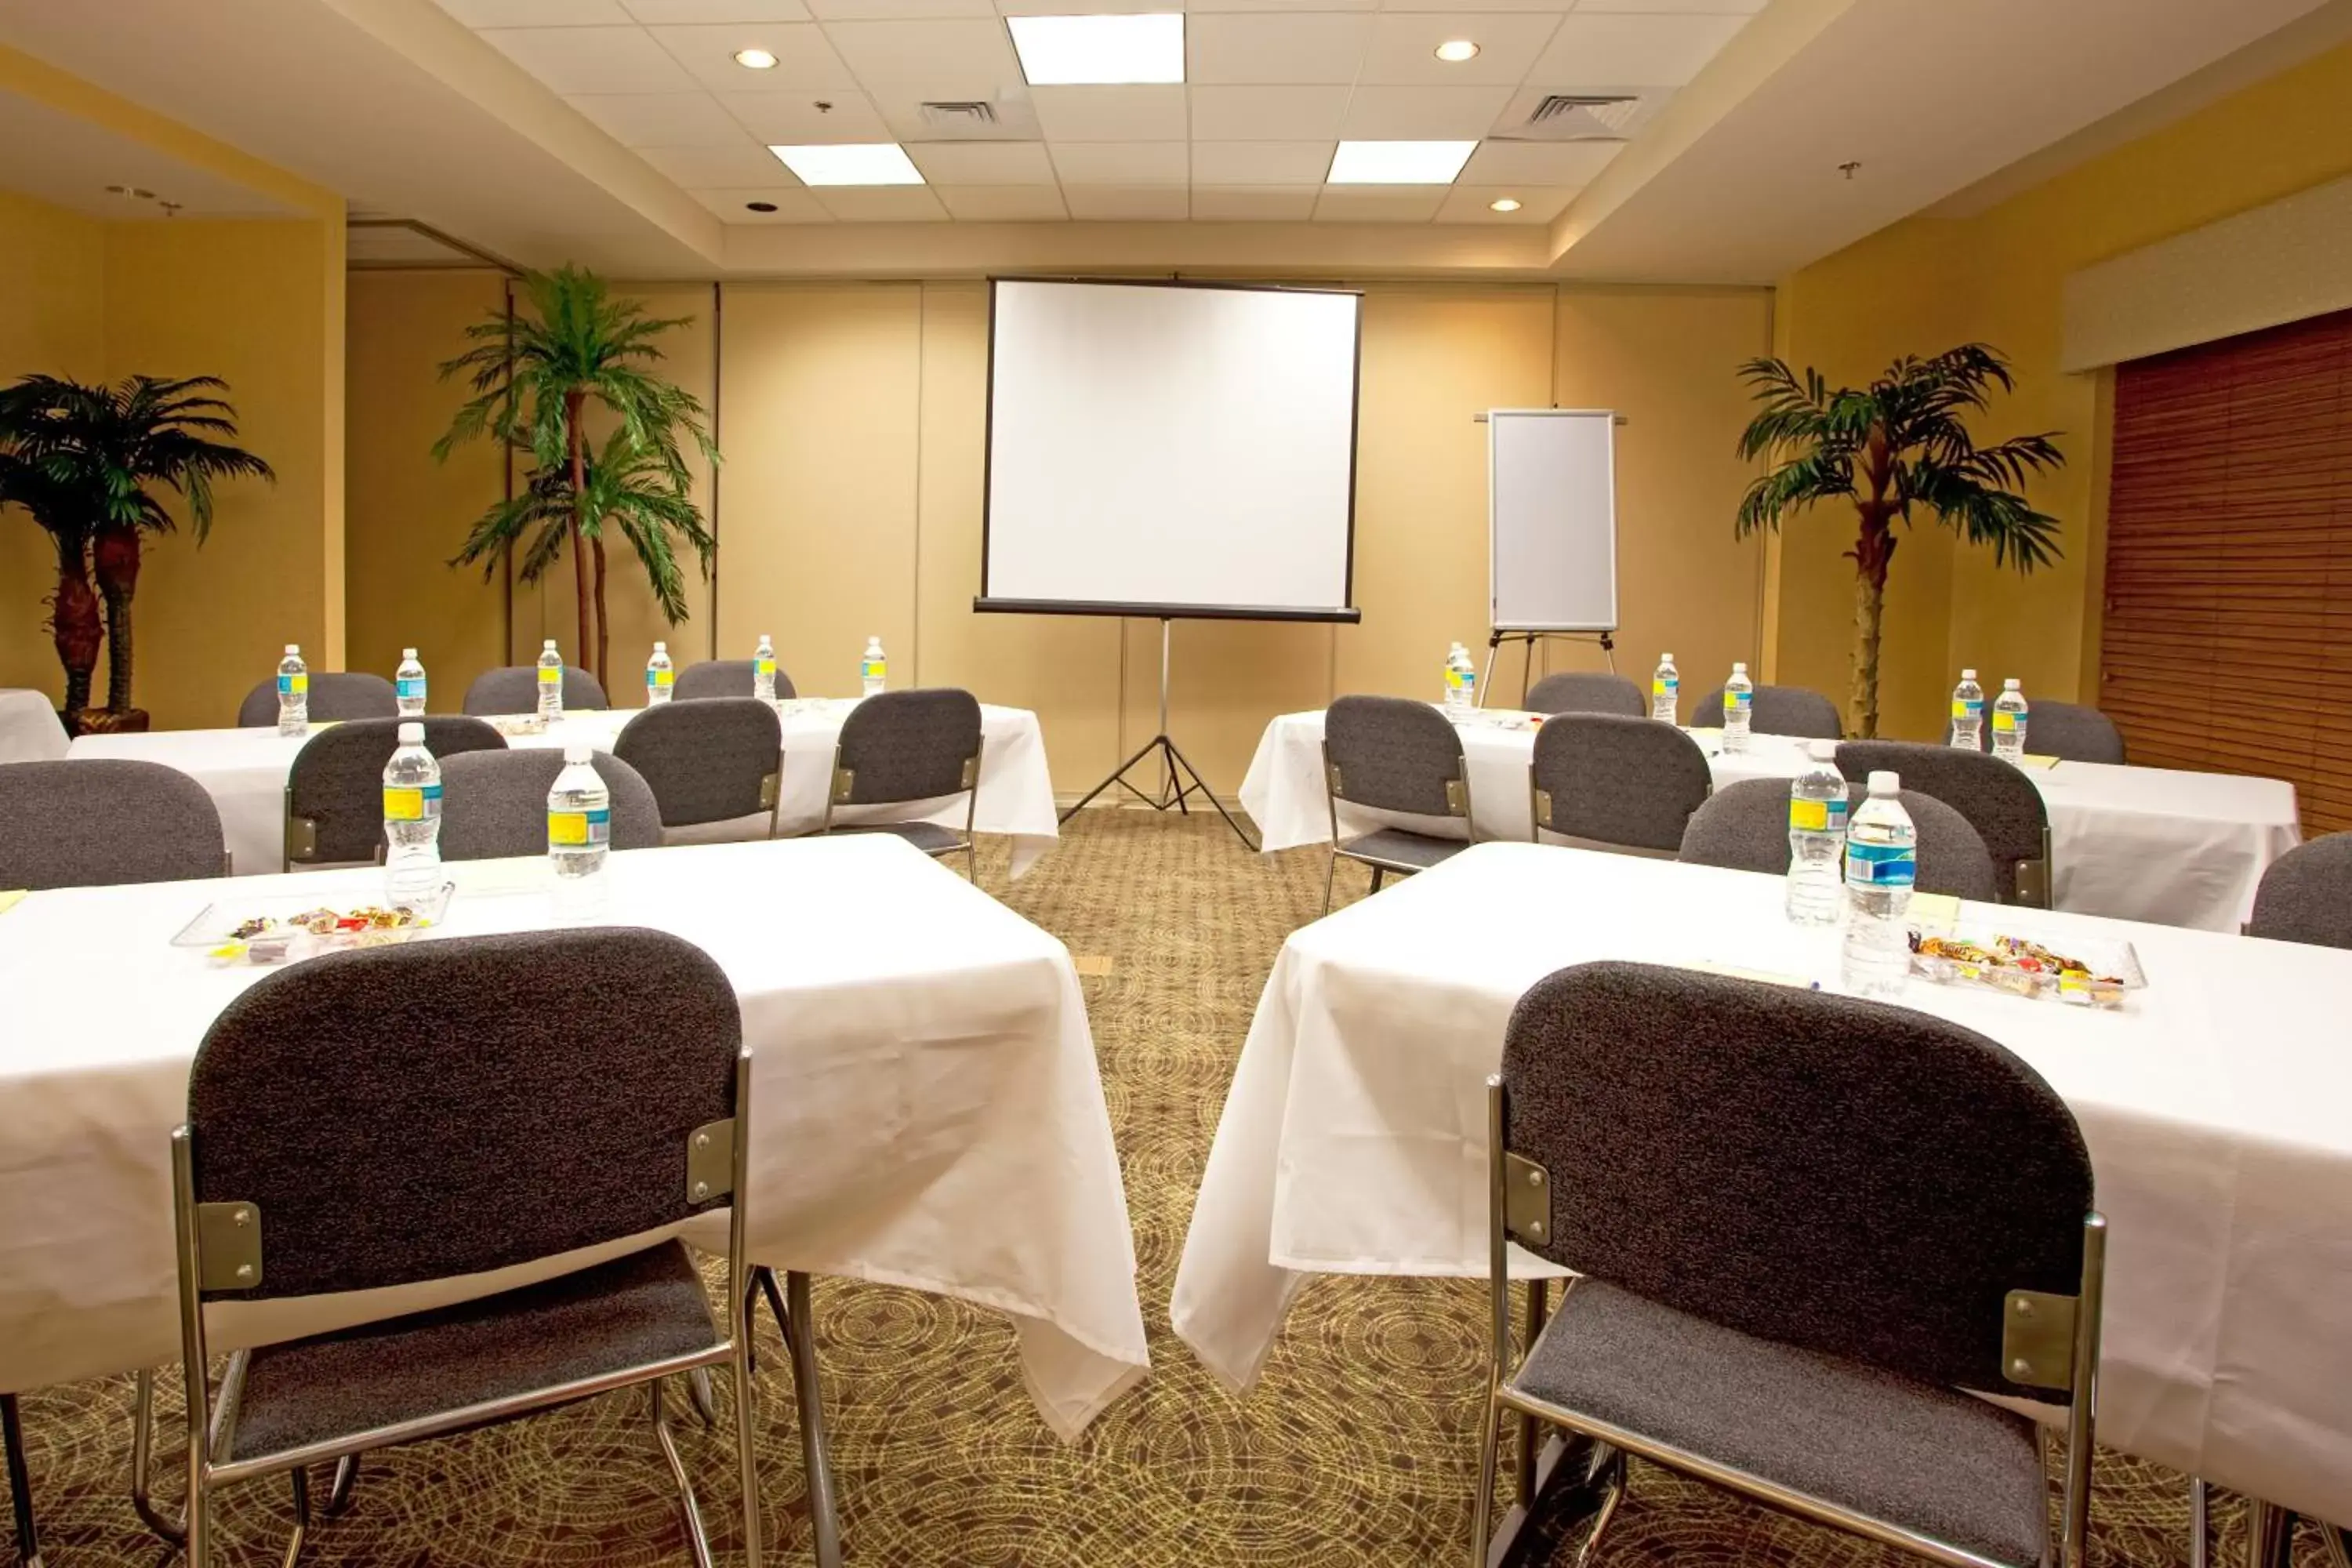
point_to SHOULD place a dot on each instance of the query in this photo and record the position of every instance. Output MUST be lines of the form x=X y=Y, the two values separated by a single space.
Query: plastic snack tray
x=520 y=725
x=2088 y=974
x=217 y=930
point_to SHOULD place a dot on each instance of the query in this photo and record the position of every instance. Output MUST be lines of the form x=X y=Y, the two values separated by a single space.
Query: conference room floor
x=1358 y=1447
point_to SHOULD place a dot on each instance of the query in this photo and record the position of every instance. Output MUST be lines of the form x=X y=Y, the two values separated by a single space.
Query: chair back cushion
x=1997 y=800
x=2067 y=730
x=335 y=694
x=2305 y=895
x=907 y=746
x=101 y=821
x=1588 y=692
x=337 y=780
x=514 y=689
x=1745 y=826
x=1837 y=1174
x=1615 y=780
x=1392 y=753
x=494 y=803
x=706 y=761
x=724 y=677
x=459 y=1105
x=1775 y=711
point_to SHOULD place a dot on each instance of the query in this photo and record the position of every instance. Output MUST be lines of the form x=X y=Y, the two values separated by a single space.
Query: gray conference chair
x=514 y=689
x=1888 y=1208
x=1607 y=780
x=2067 y=730
x=724 y=677
x=494 y=803
x=100 y=821
x=2305 y=895
x=544 y=1093
x=901 y=748
x=708 y=760
x=1588 y=692
x=1775 y=711
x=1999 y=800
x=335 y=695
x=1390 y=754
x=1745 y=826
x=334 y=792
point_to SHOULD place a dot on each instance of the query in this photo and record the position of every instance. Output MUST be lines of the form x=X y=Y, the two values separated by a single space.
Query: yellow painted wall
x=1927 y=283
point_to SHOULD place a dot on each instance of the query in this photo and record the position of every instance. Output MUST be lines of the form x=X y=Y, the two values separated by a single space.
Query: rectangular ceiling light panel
x=851 y=164
x=1083 y=51
x=1399 y=162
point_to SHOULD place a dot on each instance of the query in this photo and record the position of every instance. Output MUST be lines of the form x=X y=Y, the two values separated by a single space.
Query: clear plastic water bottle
x=293 y=693
x=1738 y=699
x=764 y=670
x=409 y=685
x=412 y=819
x=2009 y=719
x=578 y=817
x=1967 y=713
x=873 y=669
x=1881 y=860
x=1666 y=691
x=1817 y=809
x=1461 y=681
x=661 y=676
x=551 y=681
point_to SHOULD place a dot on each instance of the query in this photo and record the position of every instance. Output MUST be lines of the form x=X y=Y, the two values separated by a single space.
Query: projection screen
x=1185 y=450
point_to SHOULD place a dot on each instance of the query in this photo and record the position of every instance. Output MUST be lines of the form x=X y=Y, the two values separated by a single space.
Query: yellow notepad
x=10 y=898
x=2035 y=760
x=1933 y=912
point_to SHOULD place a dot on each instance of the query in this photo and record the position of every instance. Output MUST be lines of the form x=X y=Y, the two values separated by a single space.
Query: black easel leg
x=1178 y=759
x=20 y=1484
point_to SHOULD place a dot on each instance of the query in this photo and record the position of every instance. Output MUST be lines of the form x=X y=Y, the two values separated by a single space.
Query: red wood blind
x=2227 y=644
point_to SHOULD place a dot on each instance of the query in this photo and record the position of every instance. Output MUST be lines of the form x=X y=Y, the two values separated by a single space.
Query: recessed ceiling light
x=1399 y=162
x=758 y=206
x=851 y=164
x=1075 y=51
x=1454 y=51
x=755 y=59
x=1507 y=204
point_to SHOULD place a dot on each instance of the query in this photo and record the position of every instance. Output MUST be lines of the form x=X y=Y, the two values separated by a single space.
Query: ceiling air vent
x=1579 y=117
x=960 y=114
x=976 y=119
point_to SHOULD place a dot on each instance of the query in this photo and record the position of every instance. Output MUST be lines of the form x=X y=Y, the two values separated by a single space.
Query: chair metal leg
x=2200 y=1532
x=339 y=1491
x=695 y=1540
x=2270 y=1529
x=20 y=1483
x=143 y=1442
x=746 y=1458
x=301 y=1515
x=1482 y=1507
x=1378 y=873
x=697 y=1387
x=1330 y=871
x=822 y=1522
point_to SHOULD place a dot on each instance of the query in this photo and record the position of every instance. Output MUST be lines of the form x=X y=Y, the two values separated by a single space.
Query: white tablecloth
x=1353 y=1141
x=2141 y=843
x=926 y=1109
x=245 y=773
x=29 y=730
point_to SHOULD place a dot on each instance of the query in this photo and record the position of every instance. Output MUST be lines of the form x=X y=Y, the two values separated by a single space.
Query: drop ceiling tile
x=982 y=163
x=1633 y=50
x=1553 y=7
x=1261 y=162
x=1252 y=204
x=898 y=10
x=1121 y=163
x=592 y=59
x=1268 y=113
x=803 y=56
x=1089 y=7
x=1567 y=163
x=1402 y=48
x=795 y=203
x=1289 y=48
x=690 y=12
x=1387 y=114
x=793 y=118
x=660 y=118
x=746 y=162
x=882 y=204
x=1003 y=203
x=1196 y=7
x=1379 y=203
x=1538 y=203
x=535 y=13
x=1126 y=203
x=968 y=57
x=1713 y=7
x=1110 y=113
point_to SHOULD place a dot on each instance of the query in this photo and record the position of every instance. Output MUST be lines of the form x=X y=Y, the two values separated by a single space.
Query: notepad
x=10 y=898
x=1933 y=912
x=2035 y=760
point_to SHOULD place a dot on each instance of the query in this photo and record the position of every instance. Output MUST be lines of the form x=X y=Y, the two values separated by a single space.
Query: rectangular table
x=2143 y=844
x=1354 y=1138
x=926 y=1106
x=245 y=773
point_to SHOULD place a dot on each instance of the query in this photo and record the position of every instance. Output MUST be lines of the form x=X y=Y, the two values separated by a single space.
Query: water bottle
x=412 y=820
x=293 y=693
x=409 y=685
x=1967 y=713
x=578 y=817
x=1738 y=697
x=873 y=669
x=551 y=681
x=1469 y=669
x=1452 y=701
x=2008 y=711
x=764 y=670
x=1666 y=691
x=1817 y=804
x=661 y=676
x=1882 y=859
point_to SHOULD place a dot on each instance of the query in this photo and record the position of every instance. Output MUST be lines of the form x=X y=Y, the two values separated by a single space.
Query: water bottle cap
x=548 y=646
x=408 y=653
x=1885 y=782
x=1737 y=668
x=576 y=752
x=412 y=735
x=661 y=647
x=1968 y=675
x=1665 y=658
x=293 y=648
x=2009 y=685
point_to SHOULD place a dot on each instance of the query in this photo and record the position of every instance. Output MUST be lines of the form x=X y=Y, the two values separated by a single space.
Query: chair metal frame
x=844 y=784
x=20 y=1483
x=2070 y=1362
x=1457 y=804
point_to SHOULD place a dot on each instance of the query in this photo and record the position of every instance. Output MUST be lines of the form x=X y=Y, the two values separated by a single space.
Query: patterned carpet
x=1358 y=1447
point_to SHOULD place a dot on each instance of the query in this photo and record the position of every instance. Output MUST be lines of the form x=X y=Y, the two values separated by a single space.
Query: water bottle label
x=764 y=667
x=551 y=675
x=1881 y=865
x=410 y=688
x=294 y=685
x=412 y=803
x=569 y=828
x=1968 y=708
x=2004 y=722
x=1738 y=701
x=1816 y=815
x=870 y=668
x=655 y=678
x=1665 y=687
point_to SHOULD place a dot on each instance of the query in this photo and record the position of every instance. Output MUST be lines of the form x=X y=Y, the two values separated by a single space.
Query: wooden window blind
x=2227 y=644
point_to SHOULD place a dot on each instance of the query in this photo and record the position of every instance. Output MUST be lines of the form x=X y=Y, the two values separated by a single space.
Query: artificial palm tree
x=535 y=374
x=1902 y=441
x=74 y=625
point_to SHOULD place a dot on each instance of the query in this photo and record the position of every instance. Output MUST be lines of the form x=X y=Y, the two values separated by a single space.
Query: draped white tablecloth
x=2141 y=843
x=245 y=773
x=926 y=1110
x=29 y=730
x=1353 y=1140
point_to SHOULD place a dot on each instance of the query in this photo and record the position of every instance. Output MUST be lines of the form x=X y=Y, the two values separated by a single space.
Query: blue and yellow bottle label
x=294 y=685
x=411 y=802
x=1966 y=709
x=660 y=678
x=1881 y=865
x=409 y=688
x=1816 y=815
x=2005 y=722
x=551 y=675
x=764 y=667
x=572 y=830
x=1664 y=688
x=871 y=668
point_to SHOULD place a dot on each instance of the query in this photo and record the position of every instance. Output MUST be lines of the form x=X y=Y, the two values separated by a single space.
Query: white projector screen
x=1170 y=450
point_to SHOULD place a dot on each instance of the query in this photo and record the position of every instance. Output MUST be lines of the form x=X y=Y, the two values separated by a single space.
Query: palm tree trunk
x=576 y=443
x=1869 y=607
x=74 y=623
x=116 y=556
x=603 y=621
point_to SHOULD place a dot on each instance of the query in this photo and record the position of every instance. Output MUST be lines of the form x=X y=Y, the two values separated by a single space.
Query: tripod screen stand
x=1179 y=778
x=1494 y=640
